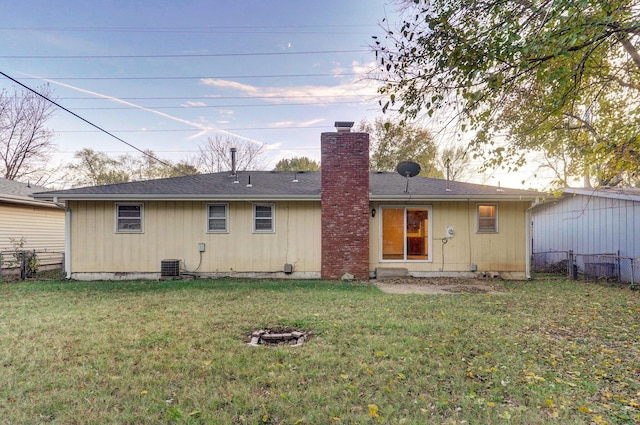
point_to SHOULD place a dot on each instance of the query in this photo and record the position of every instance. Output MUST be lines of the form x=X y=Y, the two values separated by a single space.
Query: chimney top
x=233 y=161
x=343 y=126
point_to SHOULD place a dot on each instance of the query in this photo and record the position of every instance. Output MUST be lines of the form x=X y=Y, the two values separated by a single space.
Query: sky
x=165 y=75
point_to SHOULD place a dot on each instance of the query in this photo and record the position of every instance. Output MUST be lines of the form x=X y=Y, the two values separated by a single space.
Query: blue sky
x=165 y=75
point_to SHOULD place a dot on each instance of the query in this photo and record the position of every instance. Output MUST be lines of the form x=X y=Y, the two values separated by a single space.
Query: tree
x=215 y=154
x=392 y=143
x=25 y=141
x=97 y=168
x=458 y=160
x=148 y=166
x=296 y=163
x=182 y=168
x=545 y=76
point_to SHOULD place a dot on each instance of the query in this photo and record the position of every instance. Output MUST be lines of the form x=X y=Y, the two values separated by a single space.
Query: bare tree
x=215 y=154
x=459 y=162
x=25 y=142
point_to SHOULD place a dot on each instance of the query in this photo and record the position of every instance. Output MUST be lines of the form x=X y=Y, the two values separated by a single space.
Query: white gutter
x=205 y=197
x=17 y=200
x=445 y=198
x=267 y=197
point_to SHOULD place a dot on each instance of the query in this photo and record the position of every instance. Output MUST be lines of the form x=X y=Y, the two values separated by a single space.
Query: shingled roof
x=283 y=185
x=13 y=192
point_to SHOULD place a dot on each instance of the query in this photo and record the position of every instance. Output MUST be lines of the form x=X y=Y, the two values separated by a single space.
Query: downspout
x=527 y=264
x=67 y=236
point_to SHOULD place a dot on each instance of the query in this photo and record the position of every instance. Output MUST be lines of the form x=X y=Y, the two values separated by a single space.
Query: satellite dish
x=408 y=169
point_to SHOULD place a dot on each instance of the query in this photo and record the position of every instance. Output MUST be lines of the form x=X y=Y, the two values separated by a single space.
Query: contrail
x=204 y=129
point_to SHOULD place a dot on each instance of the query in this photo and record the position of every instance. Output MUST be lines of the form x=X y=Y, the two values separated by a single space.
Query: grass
x=175 y=352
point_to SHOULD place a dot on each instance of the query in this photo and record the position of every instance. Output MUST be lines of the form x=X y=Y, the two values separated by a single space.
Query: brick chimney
x=345 y=203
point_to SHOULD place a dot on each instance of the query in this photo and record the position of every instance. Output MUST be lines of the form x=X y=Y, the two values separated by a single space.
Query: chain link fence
x=609 y=267
x=31 y=264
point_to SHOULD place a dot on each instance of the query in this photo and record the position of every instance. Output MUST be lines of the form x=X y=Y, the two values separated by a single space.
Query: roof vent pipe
x=343 y=126
x=233 y=161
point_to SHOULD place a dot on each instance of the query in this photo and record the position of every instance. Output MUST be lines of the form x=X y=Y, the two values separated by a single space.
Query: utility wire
x=245 y=105
x=86 y=121
x=187 y=130
x=189 y=98
x=183 y=55
x=226 y=77
x=190 y=28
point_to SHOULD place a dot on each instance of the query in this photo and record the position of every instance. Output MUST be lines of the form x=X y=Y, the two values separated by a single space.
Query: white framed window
x=130 y=218
x=405 y=233
x=264 y=218
x=487 y=218
x=217 y=218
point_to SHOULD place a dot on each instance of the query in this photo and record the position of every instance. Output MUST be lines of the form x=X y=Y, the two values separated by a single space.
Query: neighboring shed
x=40 y=224
x=590 y=222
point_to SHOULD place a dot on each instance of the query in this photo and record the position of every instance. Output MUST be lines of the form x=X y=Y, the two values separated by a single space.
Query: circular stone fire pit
x=271 y=337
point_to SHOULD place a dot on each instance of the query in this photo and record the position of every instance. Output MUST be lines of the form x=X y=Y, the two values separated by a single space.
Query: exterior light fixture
x=373 y=212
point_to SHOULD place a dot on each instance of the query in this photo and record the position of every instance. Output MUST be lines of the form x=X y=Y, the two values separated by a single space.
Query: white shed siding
x=588 y=224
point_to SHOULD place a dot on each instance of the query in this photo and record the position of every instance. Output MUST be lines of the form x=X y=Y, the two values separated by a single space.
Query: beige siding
x=173 y=230
x=502 y=251
x=41 y=228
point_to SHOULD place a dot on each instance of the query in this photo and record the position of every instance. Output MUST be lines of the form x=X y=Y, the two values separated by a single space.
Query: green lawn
x=175 y=352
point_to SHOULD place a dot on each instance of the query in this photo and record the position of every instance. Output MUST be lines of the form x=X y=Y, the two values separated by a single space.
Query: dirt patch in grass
x=437 y=285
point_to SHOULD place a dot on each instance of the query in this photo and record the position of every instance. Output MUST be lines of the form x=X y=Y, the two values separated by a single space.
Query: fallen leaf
x=373 y=410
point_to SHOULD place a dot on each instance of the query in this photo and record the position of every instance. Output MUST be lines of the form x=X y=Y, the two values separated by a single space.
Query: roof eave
x=601 y=194
x=173 y=197
x=27 y=201
x=456 y=197
x=275 y=197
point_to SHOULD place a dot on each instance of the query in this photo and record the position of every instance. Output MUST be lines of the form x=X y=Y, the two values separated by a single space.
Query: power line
x=251 y=105
x=230 y=30
x=270 y=149
x=201 y=129
x=188 y=98
x=181 y=55
x=328 y=74
x=85 y=120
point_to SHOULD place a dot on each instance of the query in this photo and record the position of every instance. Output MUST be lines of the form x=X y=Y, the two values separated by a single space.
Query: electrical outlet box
x=450 y=232
x=201 y=247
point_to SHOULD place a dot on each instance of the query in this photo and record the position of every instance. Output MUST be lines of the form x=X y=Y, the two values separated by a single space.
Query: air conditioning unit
x=170 y=268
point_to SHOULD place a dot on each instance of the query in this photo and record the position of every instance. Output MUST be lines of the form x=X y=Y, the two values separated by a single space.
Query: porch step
x=382 y=272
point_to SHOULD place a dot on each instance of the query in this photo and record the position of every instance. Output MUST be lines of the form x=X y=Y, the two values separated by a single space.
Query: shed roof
x=625 y=193
x=284 y=185
x=620 y=193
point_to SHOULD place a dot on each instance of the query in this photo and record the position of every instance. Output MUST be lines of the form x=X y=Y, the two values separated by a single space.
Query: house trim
x=117 y=217
x=405 y=207
x=254 y=218
x=226 y=218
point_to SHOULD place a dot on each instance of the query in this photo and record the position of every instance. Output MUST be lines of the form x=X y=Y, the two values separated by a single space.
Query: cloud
x=308 y=123
x=290 y=123
x=191 y=104
x=357 y=87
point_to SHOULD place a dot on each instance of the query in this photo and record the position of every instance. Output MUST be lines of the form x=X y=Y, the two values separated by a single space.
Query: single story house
x=342 y=220
x=590 y=222
x=36 y=224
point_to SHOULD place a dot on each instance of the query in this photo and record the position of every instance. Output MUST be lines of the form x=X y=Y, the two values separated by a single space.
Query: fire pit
x=271 y=337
